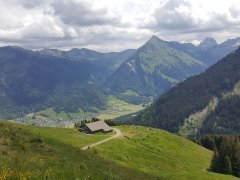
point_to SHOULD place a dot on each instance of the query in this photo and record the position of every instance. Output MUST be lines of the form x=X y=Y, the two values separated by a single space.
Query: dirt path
x=118 y=134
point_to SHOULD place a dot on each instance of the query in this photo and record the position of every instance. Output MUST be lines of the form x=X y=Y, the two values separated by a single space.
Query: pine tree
x=208 y=142
x=226 y=159
x=75 y=125
x=215 y=161
x=226 y=166
x=236 y=159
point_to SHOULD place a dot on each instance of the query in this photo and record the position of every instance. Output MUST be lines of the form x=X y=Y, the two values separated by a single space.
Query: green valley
x=115 y=108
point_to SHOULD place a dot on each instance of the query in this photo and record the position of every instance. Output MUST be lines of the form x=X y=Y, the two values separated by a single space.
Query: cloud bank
x=108 y=25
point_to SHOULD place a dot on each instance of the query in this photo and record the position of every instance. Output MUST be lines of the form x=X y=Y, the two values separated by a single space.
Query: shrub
x=36 y=140
x=83 y=165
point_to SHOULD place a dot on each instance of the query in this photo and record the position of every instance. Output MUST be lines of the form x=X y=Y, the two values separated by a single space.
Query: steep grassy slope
x=171 y=110
x=40 y=153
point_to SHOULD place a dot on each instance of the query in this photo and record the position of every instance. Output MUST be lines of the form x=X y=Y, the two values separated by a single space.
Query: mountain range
x=82 y=79
x=208 y=51
x=159 y=65
x=109 y=62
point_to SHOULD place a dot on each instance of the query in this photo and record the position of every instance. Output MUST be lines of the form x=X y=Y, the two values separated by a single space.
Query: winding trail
x=118 y=134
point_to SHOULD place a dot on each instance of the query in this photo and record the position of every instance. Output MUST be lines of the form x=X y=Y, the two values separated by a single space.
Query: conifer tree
x=236 y=159
x=214 y=162
x=226 y=166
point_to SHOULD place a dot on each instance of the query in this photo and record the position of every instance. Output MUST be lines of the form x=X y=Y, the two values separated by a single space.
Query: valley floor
x=115 y=108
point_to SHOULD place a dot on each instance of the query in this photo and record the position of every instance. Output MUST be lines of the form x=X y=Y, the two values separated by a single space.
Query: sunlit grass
x=159 y=153
x=29 y=153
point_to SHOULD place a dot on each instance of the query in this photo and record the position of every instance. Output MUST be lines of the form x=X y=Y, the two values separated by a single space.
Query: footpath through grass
x=29 y=153
x=69 y=136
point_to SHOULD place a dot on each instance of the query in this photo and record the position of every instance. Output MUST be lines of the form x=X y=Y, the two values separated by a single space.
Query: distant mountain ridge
x=111 y=60
x=208 y=51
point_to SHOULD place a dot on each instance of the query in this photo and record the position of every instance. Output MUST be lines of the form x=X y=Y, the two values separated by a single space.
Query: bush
x=36 y=140
x=110 y=122
x=83 y=165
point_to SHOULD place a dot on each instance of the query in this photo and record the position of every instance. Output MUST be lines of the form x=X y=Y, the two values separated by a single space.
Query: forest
x=226 y=156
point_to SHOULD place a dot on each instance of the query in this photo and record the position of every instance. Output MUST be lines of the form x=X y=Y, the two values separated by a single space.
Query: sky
x=114 y=25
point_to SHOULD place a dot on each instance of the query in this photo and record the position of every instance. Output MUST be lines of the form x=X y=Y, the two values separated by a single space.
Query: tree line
x=226 y=156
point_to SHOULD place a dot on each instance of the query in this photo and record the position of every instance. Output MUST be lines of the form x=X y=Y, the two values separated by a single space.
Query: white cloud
x=81 y=13
x=235 y=11
x=110 y=25
x=43 y=27
x=187 y=15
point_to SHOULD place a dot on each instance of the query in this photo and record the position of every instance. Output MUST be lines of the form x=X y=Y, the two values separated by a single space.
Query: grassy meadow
x=160 y=154
x=117 y=108
x=28 y=152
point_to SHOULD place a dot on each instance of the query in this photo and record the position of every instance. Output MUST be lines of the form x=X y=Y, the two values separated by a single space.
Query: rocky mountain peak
x=207 y=43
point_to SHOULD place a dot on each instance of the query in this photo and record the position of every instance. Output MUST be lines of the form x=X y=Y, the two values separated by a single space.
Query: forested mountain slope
x=173 y=109
x=30 y=82
x=110 y=61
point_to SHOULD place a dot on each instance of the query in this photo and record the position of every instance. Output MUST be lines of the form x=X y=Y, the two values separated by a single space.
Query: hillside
x=206 y=103
x=159 y=153
x=153 y=69
x=36 y=153
x=30 y=82
x=146 y=154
